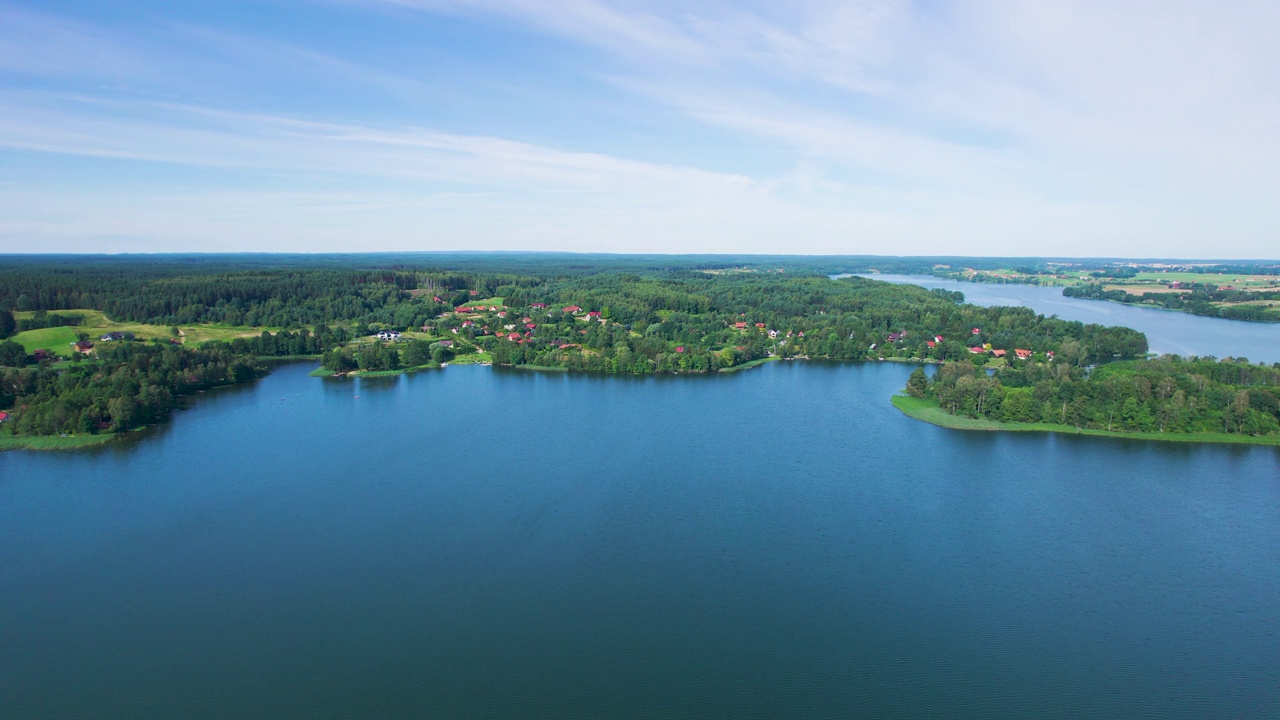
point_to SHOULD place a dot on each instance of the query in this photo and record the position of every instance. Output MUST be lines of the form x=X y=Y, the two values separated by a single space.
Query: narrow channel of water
x=1167 y=331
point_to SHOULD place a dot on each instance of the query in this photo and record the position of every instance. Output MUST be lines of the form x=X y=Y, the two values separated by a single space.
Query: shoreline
x=928 y=411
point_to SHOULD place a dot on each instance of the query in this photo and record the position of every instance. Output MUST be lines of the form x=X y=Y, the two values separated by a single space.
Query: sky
x=983 y=127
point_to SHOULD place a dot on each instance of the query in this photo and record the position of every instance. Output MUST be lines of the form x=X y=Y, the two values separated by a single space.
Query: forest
x=121 y=387
x=1169 y=394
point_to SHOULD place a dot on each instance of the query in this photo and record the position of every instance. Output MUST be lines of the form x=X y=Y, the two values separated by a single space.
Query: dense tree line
x=122 y=386
x=1167 y=395
x=689 y=322
x=1197 y=299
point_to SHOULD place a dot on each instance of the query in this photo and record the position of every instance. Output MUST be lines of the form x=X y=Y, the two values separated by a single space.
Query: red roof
x=680 y=349
x=740 y=325
x=977 y=350
x=3 y=416
x=930 y=343
x=573 y=308
x=594 y=313
x=1024 y=354
x=977 y=331
x=759 y=325
x=999 y=353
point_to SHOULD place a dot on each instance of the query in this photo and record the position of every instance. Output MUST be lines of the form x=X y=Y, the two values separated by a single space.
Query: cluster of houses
x=984 y=349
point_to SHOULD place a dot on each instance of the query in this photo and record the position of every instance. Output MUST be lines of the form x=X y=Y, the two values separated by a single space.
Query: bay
x=479 y=542
x=1167 y=331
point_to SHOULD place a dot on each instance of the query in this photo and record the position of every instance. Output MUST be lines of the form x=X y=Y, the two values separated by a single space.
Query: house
x=679 y=348
x=525 y=320
x=978 y=350
x=594 y=314
x=760 y=326
x=572 y=309
x=446 y=343
x=454 y=331
x=930 y=343
x=531 y=325
x=474 y=292
x=999 y=353
x=493 y=308
x=977 y=331
x=937 y=338
x=740 y=325
x=42 y=355
x=513 y=336
x=539 y=306
x=436 y=298
x=468 y=323
x=773 y=333
x=462 y=309
x=3 y=416
x=108 y=337
x=389 y=335
x=1049 y=355
x=502 y=314
x=1022 y=354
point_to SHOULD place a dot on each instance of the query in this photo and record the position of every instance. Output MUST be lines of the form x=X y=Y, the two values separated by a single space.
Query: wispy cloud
x=990 y=127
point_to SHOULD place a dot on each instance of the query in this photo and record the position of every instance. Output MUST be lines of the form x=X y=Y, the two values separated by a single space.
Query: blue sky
x=1141 y=129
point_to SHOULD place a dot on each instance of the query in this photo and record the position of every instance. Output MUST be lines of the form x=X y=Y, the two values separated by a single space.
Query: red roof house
x=1022 y=354
x=740 y=325
x=680 y=348
x=572 y=309
x=977 y=350
x=999 y=353
x=3 y=416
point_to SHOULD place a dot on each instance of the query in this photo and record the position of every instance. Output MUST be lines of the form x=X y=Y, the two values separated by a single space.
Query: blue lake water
x=1167 y=331
x=778 y=543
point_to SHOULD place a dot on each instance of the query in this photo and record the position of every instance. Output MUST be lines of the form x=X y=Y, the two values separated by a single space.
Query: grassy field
x=58 y=340
x=477 y=358
x=487 y=302
x=928 y=411
x=749 y=364
x=1242 y=282
x=51 y=442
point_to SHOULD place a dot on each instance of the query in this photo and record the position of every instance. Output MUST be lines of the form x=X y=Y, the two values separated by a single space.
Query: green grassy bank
x=928 y=411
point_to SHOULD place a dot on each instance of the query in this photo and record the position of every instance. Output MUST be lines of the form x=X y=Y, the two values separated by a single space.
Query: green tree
x=917 y=383
x=7 y=324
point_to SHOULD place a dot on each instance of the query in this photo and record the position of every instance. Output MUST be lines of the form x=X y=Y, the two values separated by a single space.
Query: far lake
x=1167 y=331
x=485 y=543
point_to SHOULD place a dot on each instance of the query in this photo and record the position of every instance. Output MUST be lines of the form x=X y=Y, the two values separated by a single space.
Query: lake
x=1167 y=331
x=486 y=543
